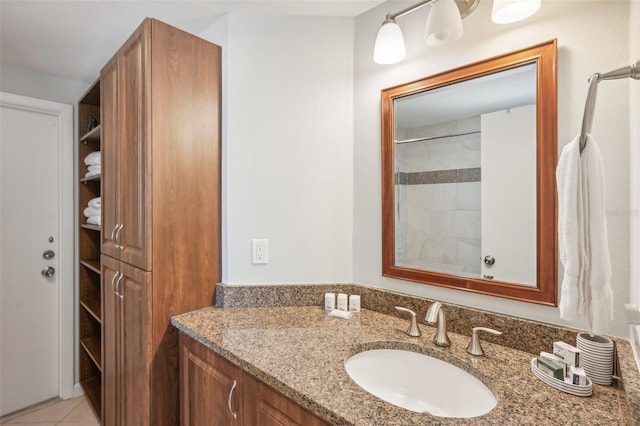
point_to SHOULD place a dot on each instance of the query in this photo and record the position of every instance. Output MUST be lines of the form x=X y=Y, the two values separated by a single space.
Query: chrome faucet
x=413 y=330
x=435 y=315
x=474 y=347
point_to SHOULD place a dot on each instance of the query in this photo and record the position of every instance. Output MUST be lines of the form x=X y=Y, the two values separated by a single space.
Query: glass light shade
x=444 y=23
x=508 y=11
x=389 y=47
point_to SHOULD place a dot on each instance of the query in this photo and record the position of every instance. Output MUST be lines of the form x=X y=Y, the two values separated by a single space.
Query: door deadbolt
x=48 y=272
x=49 y=254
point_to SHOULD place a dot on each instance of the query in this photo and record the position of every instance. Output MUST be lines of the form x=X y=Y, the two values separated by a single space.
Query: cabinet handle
x=113 y=280
x=233 y=388
x=113 y=233
x=118 y=285
x=117 y=238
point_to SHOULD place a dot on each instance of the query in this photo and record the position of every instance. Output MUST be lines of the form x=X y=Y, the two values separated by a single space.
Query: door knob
x=49 y=254
x=489 y=260
x=48 y=272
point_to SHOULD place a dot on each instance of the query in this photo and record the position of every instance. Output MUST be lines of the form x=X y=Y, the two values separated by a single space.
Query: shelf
x=89 y=271
x=90 y=178
x=92 y=388
x=92 y=264
x=92 y=346
x=92 y=136
x=90 y=226
x=94 y=308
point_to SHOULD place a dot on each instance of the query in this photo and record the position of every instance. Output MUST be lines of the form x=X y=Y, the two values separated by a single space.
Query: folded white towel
x=92 y=173
x=94 y=220
x=582 y=237
x=91 y=211
x=94 y=168
x=92 y=159
x=95 y=202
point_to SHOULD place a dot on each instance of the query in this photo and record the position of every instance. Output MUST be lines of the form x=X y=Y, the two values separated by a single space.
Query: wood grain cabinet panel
x=134 y=235
x=210 y=387
x=125 y=114
x=265 y=407
x=111 y=320
x=127 y=322
x=212 y=390
x=161 y=212
x=110 y=157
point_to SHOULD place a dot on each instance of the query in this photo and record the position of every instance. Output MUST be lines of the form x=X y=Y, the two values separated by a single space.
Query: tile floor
x=72 y=412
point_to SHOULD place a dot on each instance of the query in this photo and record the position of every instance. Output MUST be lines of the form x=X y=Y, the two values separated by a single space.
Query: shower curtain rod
x=632 y=71
x=431 y=138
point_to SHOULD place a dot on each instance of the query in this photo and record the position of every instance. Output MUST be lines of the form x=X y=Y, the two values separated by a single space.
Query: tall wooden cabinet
x=89 y=278
x=160 y=241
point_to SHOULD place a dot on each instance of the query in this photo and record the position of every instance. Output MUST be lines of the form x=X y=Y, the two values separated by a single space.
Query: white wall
x=26 y=82
x=287 y=147
x=592 y=36
x=634 y=98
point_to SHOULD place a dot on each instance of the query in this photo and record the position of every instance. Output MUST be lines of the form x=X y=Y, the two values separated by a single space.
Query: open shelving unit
x=89 y=273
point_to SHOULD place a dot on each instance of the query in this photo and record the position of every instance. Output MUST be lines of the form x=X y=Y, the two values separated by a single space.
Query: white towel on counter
x=95 y=202
x=94 y=220
x=93 y=159
x=582 y=237
x=91 y=211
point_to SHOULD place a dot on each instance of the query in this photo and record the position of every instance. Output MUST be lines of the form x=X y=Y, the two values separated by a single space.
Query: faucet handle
x=413 y=330
x=474 y=347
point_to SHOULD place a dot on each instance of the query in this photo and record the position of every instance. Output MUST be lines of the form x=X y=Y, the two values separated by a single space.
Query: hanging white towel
x=582 y=236
x=92 y=159
x=94 y=220
x=95 y=202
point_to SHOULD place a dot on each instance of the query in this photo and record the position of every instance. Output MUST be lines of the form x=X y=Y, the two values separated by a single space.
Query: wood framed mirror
x=468 y=177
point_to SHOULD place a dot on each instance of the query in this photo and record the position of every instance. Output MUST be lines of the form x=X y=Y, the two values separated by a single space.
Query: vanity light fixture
x=444 y=24
x=508 y=11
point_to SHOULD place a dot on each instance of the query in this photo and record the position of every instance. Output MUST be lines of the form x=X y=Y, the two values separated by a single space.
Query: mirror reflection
x=465 y=162
x=468 y=177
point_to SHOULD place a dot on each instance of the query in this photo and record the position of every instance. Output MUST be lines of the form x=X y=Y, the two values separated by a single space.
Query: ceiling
x=73 y=39
x=493 y=92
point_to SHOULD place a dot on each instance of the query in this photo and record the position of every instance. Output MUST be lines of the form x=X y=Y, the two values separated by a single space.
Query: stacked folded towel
x=93 y=163
x=93 y=210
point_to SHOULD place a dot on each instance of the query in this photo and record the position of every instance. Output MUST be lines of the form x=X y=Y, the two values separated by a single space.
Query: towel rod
x=632 y=71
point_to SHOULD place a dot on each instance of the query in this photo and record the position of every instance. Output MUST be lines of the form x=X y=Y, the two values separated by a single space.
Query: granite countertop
x=300 y=352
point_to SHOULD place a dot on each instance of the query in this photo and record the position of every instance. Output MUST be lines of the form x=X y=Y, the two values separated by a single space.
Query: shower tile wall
x=438 y=195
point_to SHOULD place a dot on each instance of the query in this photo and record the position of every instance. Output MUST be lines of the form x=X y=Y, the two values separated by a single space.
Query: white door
x=30 y=234
x=508 y=195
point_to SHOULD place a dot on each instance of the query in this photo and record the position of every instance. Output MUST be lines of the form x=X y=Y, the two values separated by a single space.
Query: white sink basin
x=420 y=383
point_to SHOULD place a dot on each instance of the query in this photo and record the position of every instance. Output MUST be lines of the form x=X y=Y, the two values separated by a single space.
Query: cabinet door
x=110 y=327
x=134 y=104
x=210 y=387
x=135 y=345
x=265 y=407
x=110 y=157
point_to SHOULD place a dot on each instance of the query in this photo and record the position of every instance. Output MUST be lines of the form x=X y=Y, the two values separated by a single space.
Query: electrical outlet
x=260 y=250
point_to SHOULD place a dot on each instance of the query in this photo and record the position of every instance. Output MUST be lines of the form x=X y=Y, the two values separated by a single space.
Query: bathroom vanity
x=295 y=356
x=233 y=395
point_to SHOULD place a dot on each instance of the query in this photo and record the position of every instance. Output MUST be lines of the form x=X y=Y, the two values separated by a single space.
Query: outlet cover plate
x=260 y=251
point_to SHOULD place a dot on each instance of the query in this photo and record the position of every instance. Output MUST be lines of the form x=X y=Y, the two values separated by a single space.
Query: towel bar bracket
x=632 y=71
